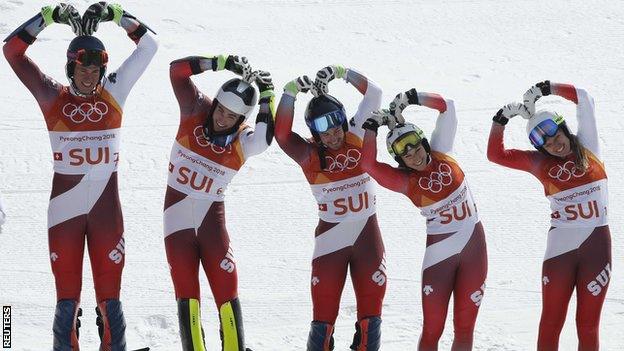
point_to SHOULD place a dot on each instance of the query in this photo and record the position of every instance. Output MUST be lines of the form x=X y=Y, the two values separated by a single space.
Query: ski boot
x=321 y=337
x=111 y=325
x=231 y=330
x=189 y=320
x=65 y=326
x=367 y=335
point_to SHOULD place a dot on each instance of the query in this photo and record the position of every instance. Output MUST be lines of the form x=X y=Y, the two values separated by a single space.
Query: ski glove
x=302 y=84
x=100 y=12
x=544 y=87
x=509 y=111
x=64 y=14
x=326 y=75
x=235 y=64
x=265 y=84
x=534 y=93
x=380 y=118
x=401 y=101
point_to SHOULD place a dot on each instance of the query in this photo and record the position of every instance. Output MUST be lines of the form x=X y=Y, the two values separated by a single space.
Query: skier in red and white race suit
x=211 y=146
x=347 y=235
x=455 y=260
x=578 y=251
x=84 y=121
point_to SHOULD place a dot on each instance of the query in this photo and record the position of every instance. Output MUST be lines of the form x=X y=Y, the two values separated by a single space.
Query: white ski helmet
x=537 y=130
x=400 y=132
x=238 y=96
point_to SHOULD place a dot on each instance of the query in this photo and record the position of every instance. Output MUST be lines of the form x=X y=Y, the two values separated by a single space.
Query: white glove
x=530 y=97
x=514 y=109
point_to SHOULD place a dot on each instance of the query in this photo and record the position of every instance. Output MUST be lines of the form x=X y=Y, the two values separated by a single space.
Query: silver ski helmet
x=323 y=113
x=86 y=50
x=544 y=124
x=404 y=136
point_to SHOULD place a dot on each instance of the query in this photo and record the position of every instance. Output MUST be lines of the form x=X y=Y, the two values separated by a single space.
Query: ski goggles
x=327 y=121
x=90 y=57
x=406 y=142
x=545 y=129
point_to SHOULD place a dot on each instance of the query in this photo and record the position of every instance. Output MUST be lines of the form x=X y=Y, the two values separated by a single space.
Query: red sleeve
x=566 y=91
x=180 y=72
x=293 y=145
x=432 y=100
x=386 y=175
x=43 y=88
x=517 y=159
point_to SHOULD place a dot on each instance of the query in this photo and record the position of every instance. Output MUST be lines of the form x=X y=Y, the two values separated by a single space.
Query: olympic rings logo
x=198 y=132
x=565 y=172
x=437 y=180
x=343 y=162
x=86 y=110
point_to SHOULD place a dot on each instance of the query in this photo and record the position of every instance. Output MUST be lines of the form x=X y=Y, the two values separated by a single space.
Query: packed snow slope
x=481 y=53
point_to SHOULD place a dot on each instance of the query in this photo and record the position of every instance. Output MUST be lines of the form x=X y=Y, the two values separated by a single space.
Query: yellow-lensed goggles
x=407 y=141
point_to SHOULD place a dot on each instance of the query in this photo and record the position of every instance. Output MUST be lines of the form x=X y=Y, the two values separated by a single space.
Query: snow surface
x=481 y=53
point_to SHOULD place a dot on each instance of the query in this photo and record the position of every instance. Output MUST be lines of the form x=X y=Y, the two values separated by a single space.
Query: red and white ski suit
x=85 y=136
x=347 y=236
x=455 y=260
x=578 y=252
x=199 y=173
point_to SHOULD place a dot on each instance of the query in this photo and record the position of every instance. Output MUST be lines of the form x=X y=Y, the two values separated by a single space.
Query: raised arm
x=443 y=136
x=386 y=175
x=585 y=114
x=256 y=141
x=372 y=93
x=181 y=70
x=292 y=143
x=585 y=109
x=43 y=88
x=120 y=82
x=512 y=158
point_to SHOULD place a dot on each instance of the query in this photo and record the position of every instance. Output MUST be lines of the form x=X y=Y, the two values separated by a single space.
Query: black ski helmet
x=85 y=45
x=324 y=112
x=237 y=96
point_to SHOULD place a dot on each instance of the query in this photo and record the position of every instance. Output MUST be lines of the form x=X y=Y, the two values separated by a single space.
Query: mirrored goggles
x=90 y=57
x=328 y=121
x=544 y=129
x=406 y=142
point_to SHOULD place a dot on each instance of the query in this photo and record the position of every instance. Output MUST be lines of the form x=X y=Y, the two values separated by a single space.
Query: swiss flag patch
x=58 y=156
x=322 y=207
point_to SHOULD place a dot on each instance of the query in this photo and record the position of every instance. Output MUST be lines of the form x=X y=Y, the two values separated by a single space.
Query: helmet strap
x=69 y=72
x=209 y=124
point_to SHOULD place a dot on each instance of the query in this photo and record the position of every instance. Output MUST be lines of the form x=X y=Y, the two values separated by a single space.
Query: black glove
x=265 y=85
x=64 y=14
x=544 y=87
x=238 y=65
x=402 y=100
x=96 y=13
